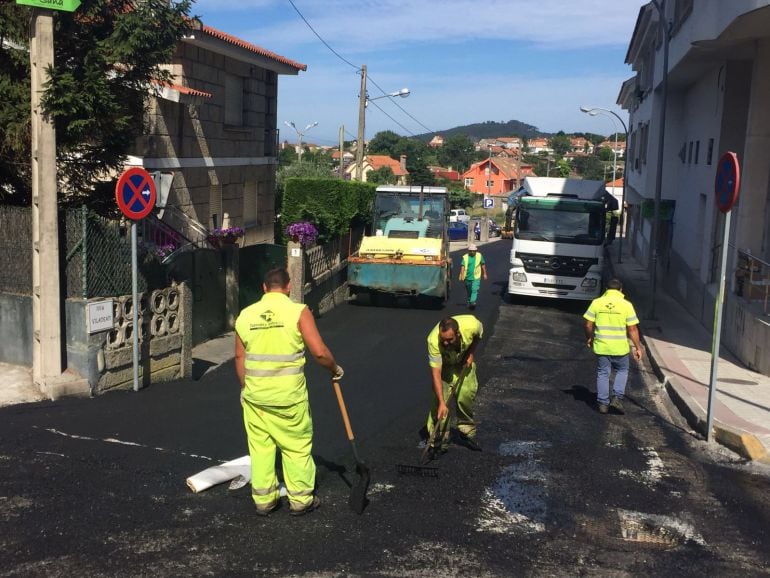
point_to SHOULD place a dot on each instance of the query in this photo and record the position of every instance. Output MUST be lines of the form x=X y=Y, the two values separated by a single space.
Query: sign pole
x=135 y=194
x=716 y=338
x=135 y=301
x=727 y=186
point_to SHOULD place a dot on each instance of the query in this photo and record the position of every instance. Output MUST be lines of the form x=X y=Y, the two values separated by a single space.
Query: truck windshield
x=408 y=207
x=560 y=226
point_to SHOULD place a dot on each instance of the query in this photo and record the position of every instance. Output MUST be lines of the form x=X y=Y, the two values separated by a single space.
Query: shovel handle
x=343 y=410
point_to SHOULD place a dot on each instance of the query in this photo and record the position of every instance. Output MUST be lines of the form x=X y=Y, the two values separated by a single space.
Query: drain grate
x=656 y=530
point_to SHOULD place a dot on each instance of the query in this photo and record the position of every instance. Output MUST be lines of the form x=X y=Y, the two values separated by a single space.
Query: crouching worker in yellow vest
x=451 y=347
x=271 y=336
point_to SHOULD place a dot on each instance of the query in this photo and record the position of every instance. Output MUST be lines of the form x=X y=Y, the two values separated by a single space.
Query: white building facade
x=718 y=100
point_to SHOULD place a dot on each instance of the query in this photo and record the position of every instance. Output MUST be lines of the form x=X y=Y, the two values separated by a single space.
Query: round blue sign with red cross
x=727 y=182
x=135 y=193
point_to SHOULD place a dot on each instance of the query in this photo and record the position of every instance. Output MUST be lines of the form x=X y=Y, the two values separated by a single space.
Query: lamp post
x=300 y=134
x=593 y=111
x=363 y=101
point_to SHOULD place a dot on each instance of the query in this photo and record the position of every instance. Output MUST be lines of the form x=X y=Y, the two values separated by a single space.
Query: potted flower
x=302 y=232
x=224 y=236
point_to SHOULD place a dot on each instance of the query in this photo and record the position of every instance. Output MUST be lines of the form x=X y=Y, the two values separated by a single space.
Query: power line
x=337 y=54
x=358 y=69
x=391 y=118
x=369 y=78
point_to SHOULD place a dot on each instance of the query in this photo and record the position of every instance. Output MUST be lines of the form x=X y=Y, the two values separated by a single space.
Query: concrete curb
x=734 y=438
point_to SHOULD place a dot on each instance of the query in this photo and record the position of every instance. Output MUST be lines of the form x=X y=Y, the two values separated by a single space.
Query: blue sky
x=464 y=61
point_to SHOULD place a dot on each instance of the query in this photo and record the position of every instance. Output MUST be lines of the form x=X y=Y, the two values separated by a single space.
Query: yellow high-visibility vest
x=469 y=328
x=275 y=351
x=478 y=262
x=611 y=314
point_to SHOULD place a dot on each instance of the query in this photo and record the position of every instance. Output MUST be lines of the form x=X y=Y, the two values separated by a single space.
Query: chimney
x=402 y=162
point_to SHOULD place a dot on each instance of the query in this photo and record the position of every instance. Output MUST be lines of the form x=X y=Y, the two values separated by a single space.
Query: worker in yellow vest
x=609 y=323
x=472 y=269
x=271 y=336
x=451 y=347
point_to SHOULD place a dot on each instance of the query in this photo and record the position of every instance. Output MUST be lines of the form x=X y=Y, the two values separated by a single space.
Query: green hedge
x=332 y=205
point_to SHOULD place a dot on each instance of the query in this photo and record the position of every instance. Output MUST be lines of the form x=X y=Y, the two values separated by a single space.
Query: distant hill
x=489 y=129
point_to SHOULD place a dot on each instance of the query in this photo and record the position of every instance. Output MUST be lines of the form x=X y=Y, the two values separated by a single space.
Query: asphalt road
x=96 y=487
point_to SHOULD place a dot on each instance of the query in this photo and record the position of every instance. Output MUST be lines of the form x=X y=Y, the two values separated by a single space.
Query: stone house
x=213 y=132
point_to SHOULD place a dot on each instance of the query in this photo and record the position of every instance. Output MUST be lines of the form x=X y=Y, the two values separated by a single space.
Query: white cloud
x=366 y=26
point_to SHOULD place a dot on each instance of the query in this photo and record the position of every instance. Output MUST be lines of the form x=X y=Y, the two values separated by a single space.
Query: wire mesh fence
x=16 y=250
x=95 y=252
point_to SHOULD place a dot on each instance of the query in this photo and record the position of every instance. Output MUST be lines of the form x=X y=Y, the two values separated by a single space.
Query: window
x=249 y=203
x=233 y=100
x=468 y=181
x=689 y=153
x=710 y=153
x=490 y=184
x=697 y=151
x=643 y=143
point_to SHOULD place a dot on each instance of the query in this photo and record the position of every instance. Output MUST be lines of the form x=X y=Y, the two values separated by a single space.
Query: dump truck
x=560 y=229
x=406 y=253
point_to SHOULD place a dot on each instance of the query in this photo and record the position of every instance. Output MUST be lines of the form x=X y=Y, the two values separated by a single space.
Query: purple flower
x=304 y=232
x=233 y=232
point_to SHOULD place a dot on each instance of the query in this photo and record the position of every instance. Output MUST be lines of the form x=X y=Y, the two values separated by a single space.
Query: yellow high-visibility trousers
x=289 y=429
x=465 y=397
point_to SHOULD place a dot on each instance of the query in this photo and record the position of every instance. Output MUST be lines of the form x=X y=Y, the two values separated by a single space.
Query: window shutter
x=249 y=203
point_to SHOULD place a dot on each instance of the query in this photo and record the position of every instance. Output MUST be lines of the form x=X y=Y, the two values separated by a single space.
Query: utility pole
x=342 y=150
x=47 y=358
x=361 y=125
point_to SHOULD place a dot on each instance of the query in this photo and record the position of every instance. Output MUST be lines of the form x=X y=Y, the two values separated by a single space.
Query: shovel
x=428 y=471
x=357 y=500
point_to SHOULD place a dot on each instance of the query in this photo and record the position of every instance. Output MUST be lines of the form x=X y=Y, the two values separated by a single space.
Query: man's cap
x=472 y=247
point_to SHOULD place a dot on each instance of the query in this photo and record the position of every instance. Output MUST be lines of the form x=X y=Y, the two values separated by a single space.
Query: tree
x=287 y=156
x=560 y=144
x=381 y=176
x=385 y=143
x=605 y=154
x=458 y=152
x=108 y=57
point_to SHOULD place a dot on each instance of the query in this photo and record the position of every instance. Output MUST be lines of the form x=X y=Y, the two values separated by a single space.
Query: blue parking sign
x=489 y=203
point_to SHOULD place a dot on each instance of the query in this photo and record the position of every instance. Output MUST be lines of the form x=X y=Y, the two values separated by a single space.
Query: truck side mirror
x=613 y=231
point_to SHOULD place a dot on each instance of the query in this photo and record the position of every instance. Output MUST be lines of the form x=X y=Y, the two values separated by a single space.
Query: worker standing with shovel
x=270 y=341
x=451 y=349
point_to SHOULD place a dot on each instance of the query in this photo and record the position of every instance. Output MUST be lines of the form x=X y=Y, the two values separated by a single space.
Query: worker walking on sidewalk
x=451 y=347
x=472 y=269
x=609 y=323
x=270 y=341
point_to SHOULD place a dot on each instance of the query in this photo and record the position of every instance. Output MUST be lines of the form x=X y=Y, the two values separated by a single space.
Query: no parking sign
x=135 y=193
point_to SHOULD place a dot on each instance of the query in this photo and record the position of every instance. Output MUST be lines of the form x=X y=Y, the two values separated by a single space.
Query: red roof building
x=496 y=176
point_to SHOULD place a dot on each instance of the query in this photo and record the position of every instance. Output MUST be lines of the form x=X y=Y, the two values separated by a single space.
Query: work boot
x=617 y=405
x=265 y=510
x=471 y=306
x=314 y=505
x=472 y=444
x=604 y=408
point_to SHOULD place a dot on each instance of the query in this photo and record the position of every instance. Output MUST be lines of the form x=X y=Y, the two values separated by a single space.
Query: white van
x=459 y=215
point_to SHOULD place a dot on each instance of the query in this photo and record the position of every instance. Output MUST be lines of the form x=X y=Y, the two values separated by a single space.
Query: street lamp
x=593 y=111
x=363 y=100
x=300 y=134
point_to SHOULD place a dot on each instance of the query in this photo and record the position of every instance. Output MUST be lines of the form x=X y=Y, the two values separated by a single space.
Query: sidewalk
x=18 y=386
x=680 y=352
